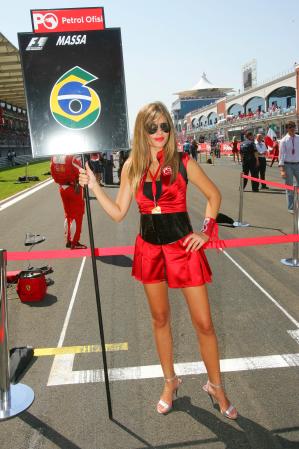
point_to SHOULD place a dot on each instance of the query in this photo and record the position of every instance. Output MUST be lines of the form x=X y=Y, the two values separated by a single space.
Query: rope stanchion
x=14 y=399
x=240 y=223
x=294 y=261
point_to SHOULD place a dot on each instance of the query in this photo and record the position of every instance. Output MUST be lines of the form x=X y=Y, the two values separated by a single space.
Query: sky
x=168 y=44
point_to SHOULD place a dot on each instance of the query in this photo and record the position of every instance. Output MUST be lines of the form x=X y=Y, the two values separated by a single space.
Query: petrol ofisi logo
x=73 y=104
x=48 y=20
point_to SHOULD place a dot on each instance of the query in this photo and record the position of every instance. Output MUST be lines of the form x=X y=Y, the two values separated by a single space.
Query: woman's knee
x=204 y=327
x=160 y=320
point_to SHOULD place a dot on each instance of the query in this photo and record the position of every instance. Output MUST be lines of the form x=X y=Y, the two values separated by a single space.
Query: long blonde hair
x=140 y=157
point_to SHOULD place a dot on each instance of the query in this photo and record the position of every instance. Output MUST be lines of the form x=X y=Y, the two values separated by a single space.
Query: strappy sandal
x=231 y=412
x=164 y=407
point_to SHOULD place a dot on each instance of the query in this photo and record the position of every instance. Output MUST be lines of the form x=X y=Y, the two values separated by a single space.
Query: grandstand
x=269 y=104
x=14 y=134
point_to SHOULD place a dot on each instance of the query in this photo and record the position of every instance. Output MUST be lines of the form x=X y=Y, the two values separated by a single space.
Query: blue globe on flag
x=73 y=98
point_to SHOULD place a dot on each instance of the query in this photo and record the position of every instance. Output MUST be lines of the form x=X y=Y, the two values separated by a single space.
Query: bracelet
x=208 y=226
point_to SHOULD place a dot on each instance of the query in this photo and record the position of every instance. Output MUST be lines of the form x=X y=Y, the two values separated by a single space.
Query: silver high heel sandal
x=231 y=412
x=164 y=407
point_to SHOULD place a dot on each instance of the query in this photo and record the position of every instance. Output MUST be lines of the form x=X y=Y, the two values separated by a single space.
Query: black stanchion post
x=294 y=261
x=240 y=223
x=14 y=399
x=97 y=293
x=26 y=171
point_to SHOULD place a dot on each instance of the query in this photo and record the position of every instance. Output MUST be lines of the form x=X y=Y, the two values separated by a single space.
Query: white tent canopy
x=204 y=89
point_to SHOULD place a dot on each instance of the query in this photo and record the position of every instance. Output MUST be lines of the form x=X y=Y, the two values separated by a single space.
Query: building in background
x=200 y=96
x=267 y=105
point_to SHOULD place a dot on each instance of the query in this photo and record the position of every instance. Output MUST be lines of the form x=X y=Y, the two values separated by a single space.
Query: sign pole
x=97 y=293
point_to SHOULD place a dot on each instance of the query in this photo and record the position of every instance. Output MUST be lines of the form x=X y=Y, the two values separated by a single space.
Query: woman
x=167 y=251
x=235 y=149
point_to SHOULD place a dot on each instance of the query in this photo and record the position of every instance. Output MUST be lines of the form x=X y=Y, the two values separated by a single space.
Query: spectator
x=109 y=170
x=275 y=150
x=194 y=147
x=186 y=147
x=250 y=160
x=289 y=161
x=123 y=156
x=235 y=149
x=96 y=166
x=218 y=149
x=262 y=150
x=11 y=158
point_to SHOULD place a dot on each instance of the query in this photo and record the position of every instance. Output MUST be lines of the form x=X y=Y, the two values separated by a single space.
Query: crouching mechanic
x=65 y=172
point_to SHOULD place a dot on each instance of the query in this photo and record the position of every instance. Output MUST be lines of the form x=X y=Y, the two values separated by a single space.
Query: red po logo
x=167 y=171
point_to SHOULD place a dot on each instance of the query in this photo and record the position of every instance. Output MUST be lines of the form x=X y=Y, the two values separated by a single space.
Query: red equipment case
x=31 y=286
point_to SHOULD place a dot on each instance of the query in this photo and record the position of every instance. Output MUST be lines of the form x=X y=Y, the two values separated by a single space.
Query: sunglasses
x=153 y=128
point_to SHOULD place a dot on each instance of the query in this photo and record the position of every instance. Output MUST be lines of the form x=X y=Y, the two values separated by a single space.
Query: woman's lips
x=159 y=139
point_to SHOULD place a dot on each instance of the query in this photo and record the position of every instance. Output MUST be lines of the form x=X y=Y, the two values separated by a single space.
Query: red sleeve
x=185 y=157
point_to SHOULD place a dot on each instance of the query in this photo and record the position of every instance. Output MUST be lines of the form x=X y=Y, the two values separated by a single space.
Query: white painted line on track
x=53 y=373
x=63 y=374
x=262 y=289
x=20 y=196
x=71 y=305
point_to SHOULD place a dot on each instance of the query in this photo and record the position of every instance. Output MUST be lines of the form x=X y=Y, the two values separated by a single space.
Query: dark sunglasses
x=153 y=128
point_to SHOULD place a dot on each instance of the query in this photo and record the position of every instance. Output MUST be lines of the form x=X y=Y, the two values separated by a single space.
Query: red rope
x=128 y=250
x=270 y=183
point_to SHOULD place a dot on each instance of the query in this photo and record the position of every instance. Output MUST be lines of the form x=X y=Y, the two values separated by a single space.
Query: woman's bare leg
x=199 y=308
x=157 y=296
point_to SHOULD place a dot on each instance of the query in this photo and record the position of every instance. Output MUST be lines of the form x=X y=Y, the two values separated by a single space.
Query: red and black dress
x=159 y=251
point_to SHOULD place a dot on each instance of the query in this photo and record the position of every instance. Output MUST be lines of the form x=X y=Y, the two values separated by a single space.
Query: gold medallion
x=156 y=210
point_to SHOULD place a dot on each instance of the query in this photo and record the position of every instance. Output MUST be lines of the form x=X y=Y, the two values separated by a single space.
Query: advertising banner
x=63 y=20
x=75 y=91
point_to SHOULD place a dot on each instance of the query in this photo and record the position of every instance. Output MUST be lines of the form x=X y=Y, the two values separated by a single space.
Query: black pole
x=97 y=293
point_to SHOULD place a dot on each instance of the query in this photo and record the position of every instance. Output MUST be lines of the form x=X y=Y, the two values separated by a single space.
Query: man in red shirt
x=65 y=172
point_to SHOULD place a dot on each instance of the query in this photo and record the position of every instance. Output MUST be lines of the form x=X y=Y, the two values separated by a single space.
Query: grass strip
x=9 y=177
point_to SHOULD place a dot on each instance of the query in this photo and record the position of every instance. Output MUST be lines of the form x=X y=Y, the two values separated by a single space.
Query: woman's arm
x=117 y=209
x=198 y=177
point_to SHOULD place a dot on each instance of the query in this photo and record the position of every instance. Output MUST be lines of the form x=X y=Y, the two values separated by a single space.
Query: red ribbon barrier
x=271 y=183
x=128 y=250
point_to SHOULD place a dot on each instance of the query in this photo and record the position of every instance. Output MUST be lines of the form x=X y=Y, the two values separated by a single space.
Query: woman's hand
x=195 y=241
x=87 y=177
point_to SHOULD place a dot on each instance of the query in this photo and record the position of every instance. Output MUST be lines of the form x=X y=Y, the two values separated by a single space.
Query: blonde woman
x=167 y=251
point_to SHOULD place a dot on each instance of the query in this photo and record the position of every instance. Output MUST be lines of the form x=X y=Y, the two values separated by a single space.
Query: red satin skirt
x=170 y=263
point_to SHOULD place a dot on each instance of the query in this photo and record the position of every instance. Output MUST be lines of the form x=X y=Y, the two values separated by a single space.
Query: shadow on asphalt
x=49 y=300
x=119 y=261
x=271 y=229
x=48 y=432
x=267 y=191
x=250 y=436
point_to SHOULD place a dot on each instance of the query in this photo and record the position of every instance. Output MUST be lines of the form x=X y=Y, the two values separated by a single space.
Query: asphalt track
x=255 y=311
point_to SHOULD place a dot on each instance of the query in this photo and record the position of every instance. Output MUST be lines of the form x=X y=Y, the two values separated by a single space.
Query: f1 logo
x=36 y=43
x=48 y=21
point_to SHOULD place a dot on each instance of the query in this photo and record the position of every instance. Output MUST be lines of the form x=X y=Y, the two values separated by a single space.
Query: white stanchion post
x=240 y=223
x=294 y=261
x=14 y=399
